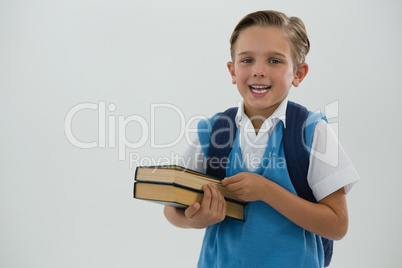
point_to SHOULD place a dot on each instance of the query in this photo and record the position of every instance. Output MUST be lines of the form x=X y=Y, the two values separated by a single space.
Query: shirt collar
x=279 y=113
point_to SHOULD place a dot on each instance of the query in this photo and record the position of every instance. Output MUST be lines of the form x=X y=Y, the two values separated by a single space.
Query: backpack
x=296 y=154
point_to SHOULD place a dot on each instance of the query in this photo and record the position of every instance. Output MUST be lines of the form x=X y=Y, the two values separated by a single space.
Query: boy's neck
x=258 y=116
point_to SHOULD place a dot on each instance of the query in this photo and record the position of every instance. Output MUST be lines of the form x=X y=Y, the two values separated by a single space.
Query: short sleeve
x=330 y=168
x=192 y=156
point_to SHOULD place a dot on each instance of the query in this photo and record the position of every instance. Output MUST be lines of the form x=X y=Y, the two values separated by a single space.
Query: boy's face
x=263 y=69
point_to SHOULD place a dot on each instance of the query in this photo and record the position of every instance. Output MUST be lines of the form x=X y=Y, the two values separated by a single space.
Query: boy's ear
x=300 y=74
x=232 y=72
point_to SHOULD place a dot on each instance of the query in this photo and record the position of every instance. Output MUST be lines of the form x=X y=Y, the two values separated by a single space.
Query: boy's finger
x=230 y=180
x=223 y=208
x=222 y=203
x=225 y=181
x=233 y=187
x=191 y=210
x=214 y=197
x=206 y=201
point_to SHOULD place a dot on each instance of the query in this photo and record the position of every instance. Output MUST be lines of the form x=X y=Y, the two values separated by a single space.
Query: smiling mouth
x=259 y=89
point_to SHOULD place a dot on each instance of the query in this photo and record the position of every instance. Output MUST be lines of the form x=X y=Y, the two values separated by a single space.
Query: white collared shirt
x=253 y=145
x=330 y=168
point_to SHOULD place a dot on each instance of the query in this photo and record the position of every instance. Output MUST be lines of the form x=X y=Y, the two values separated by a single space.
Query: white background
x=63 y=206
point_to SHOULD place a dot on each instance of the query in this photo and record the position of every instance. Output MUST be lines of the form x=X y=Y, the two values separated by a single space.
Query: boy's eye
x=274 y=61
x=247 y=61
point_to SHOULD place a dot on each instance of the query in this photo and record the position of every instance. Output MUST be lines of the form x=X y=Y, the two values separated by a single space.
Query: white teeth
x=260 y=89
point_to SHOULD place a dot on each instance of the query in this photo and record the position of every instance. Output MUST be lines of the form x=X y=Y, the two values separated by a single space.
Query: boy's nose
x=259 y=74
x=259 y=71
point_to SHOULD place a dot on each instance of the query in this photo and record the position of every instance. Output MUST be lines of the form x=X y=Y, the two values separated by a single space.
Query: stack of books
x=180 y=187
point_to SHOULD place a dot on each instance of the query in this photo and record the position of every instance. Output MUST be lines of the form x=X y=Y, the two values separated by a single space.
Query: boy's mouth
x=259 y=89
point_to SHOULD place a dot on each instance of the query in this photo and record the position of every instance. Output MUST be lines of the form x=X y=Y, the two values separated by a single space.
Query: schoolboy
x=268 y=52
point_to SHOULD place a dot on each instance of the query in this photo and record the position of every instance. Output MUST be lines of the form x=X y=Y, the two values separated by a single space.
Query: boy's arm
x=212 y=210
x=327 y=218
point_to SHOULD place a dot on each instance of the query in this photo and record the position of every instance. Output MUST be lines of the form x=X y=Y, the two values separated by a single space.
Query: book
x=180 y=187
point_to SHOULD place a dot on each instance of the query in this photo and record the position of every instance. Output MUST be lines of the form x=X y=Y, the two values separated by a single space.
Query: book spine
x=135 y=173
x=187 y=188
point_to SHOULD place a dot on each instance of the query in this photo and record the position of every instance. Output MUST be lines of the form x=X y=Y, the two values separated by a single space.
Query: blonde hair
x=293 y=26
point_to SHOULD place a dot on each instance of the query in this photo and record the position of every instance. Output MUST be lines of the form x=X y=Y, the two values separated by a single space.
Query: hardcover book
x=180 y=187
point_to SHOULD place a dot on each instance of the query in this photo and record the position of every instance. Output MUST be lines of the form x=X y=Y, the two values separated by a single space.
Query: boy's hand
x=246 y=186
x=212 y=209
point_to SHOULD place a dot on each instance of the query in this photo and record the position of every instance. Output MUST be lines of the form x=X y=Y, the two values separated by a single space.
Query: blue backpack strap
x=221 y=143
x=294 y=145
x=204 y=129
x=297 y=139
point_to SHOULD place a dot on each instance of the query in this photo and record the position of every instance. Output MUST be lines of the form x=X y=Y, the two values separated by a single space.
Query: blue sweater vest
x=266 y=238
